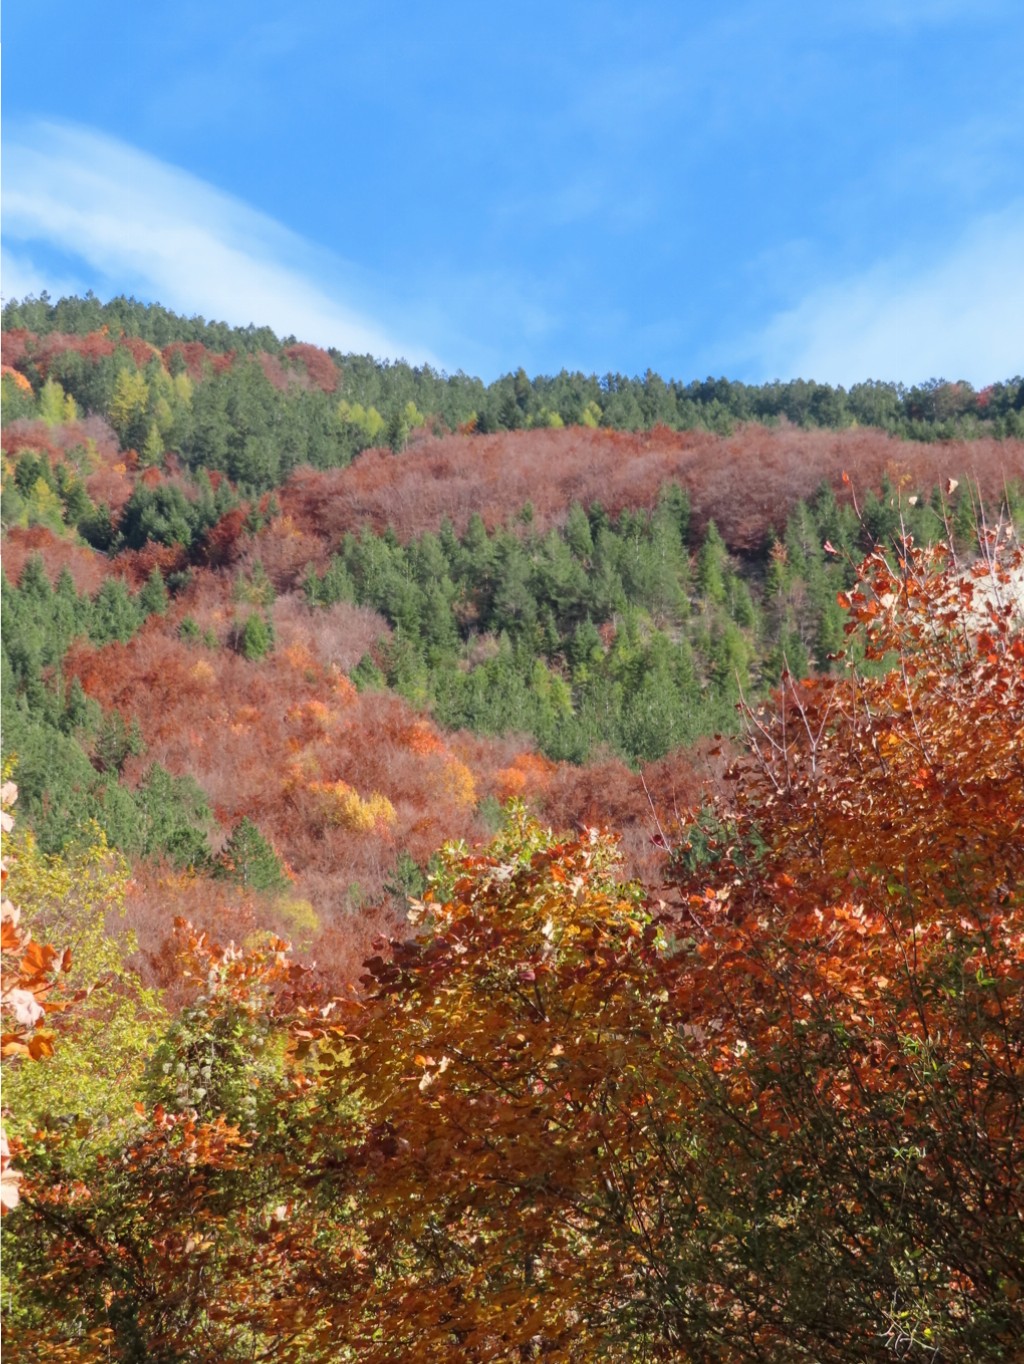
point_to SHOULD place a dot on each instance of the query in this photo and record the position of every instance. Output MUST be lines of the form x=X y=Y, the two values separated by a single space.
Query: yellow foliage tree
x=128 y=407
x=78 y=900
x=343 y=806
x=458 y=783
x=55 y=405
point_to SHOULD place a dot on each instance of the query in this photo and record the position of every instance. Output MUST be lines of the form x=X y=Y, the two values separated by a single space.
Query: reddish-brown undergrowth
x=87 y=566
x=747 y=482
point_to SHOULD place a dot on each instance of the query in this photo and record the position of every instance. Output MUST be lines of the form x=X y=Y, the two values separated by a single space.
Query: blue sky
x=758 y=190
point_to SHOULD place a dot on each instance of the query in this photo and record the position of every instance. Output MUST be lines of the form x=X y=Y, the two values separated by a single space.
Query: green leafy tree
x=249 y=859
x=16 y=398
x=117 y=740
x=55 y=405
x=176 y=819
x=398 y=429
x=711 y=563
x=367 y=676
x=256 y=637
x=152 y=452
x=128 y=409
x=163 y=514
x=98 y=528
x=115 y=614
x=153 y=598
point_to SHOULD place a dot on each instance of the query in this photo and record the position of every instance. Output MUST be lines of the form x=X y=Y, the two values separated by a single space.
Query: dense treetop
x=38 y=332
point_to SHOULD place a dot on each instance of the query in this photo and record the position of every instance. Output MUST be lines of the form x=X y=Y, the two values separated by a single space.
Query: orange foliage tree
x=782 y=1122
x=853 y=978
x=513 y=1083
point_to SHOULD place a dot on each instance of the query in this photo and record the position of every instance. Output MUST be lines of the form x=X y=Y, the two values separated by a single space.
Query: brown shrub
x=87 y=567
x=336 y=636
x=747 y=483
x=320 y=368
x=285 y=550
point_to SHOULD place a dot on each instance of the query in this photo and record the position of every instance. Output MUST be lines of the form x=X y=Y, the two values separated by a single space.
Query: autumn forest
x=527 y=871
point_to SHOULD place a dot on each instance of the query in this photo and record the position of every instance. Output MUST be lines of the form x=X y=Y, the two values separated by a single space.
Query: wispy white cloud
x=126 y=221
x=955 y=315
x=22 y=277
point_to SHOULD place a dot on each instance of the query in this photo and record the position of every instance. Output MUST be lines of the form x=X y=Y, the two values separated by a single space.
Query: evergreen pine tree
x=249 y=859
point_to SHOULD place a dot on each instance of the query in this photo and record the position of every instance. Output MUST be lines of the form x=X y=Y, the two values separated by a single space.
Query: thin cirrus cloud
x=955 y=316
x=117 y=217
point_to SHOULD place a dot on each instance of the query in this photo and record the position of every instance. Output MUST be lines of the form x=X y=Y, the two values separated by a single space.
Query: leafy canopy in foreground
x=776 y=1118
x=784 y=1123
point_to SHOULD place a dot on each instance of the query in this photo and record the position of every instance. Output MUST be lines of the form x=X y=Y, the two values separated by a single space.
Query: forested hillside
x=295 y=642
x=221 y=546
x=85 y=343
